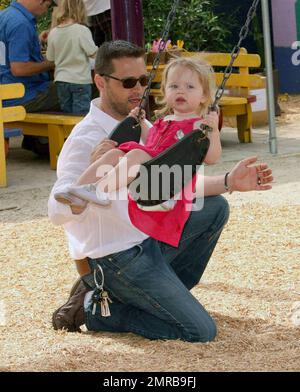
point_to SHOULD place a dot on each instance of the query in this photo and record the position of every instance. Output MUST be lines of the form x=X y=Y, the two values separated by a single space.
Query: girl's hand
x=135 y=112
x=44 y=36
x=212 y=120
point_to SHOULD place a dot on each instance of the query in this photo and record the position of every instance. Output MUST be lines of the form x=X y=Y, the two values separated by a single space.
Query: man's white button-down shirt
x=98 y=231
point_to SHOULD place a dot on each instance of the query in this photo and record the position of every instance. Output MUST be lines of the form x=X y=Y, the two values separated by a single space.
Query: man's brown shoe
x=70 y=316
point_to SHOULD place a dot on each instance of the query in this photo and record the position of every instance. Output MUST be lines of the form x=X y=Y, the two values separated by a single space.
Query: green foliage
x=195 y=23
x=258 y=37
x=44 y=21
x=4 y=4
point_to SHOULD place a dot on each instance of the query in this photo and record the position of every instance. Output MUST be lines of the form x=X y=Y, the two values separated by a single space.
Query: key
x=104 y=304
x=95 y=299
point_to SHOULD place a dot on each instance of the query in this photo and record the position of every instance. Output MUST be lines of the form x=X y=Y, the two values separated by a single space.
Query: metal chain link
x=161 y=48
x=235 y=52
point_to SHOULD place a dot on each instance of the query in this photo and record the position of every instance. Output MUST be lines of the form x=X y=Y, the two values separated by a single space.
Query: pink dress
x=161 y=136
x=163 y=226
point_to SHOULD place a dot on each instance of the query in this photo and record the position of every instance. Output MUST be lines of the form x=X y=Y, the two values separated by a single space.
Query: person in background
x=99 y=19
x=99 y=15
x=70 y=45
x=25 y=64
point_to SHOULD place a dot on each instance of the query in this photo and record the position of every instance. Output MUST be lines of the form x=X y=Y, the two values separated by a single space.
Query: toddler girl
x=70 y=45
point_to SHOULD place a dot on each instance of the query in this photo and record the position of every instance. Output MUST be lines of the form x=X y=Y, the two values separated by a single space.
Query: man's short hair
x=111 y=50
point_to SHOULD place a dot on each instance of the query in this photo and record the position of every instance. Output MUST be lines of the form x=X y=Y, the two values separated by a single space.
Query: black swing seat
x=164 y=176
x=128 y=130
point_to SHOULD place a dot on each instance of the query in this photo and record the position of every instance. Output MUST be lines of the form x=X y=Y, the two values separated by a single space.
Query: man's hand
x=244 y=177
x=102 y=148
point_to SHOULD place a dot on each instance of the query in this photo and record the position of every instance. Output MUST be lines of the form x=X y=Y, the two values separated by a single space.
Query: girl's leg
x=85 y=188
x=124 y=172
x=110 y=158
x=120 y=175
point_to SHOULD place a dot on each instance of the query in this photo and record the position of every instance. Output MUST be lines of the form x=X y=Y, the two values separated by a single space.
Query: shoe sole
x=73 y=289
x=64 y=198
x=86 y=196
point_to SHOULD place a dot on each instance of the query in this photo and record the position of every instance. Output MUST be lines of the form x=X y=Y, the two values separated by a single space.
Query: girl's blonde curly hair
x=206 y=78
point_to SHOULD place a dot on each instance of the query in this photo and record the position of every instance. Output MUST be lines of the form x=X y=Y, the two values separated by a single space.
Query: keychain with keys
x=100 y=296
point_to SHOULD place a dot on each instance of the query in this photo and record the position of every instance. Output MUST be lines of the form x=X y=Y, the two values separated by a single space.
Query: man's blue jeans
x=149 y=284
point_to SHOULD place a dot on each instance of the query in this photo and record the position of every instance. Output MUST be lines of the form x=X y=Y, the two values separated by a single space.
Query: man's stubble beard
x=120 y=108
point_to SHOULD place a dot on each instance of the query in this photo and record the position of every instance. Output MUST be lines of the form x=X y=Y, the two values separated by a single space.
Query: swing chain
x=235 y=52
x=161 y=48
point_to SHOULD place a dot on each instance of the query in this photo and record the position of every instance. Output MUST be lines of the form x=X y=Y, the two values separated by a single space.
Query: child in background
x=70 y=46
x=188 y=90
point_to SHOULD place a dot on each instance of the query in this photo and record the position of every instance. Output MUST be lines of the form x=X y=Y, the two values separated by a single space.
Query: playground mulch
x=251 y=288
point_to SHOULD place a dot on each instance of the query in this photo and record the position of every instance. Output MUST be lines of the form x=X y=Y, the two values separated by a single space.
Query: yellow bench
x=56 y=127
x=237 y=102
x=7 y=115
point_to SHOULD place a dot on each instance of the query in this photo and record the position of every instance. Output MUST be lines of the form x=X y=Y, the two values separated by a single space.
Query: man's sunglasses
x=130 y=82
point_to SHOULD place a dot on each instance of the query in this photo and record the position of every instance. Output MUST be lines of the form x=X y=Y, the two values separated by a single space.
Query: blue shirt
x=19 y=42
